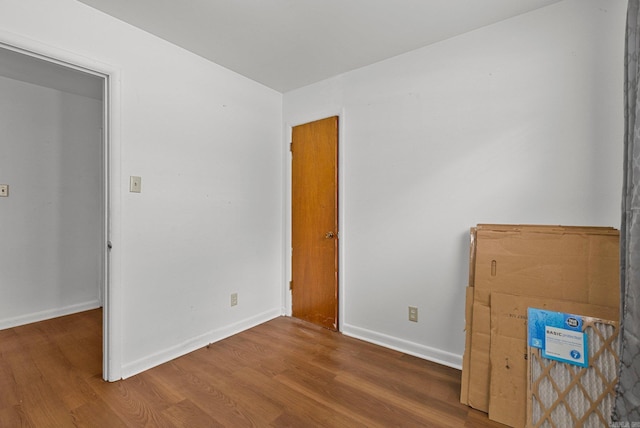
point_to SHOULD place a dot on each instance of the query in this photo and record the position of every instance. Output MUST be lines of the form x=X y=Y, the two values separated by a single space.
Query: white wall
x=50 y=258
x=518 y=122
x=206 y=142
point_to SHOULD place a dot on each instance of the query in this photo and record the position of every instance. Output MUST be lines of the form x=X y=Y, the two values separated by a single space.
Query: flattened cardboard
x=468 y=313
x=576 y=264
x=472 y=255
x=466 y=359
x=479 y=373
x=508 y=384
x=557 y=262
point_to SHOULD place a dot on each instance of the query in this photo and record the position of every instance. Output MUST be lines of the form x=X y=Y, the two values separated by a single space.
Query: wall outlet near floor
x=234 y=299
x=413 y=314
x=4 y=190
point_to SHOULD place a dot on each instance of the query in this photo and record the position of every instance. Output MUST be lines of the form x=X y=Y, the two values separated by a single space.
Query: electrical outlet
x=4 y=190
x=413 y=314
x=234 y=299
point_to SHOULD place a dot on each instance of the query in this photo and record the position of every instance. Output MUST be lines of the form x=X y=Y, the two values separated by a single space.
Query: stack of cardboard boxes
x=514 y=267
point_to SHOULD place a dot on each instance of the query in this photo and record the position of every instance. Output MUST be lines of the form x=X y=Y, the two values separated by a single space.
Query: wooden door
x=314 y=218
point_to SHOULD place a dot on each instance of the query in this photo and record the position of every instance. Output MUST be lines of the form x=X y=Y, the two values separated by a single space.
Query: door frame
x=287 y=207
x=110 y=187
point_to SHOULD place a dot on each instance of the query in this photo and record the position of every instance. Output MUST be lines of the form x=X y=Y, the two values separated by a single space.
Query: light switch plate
x=4 y=190
x=135 y=184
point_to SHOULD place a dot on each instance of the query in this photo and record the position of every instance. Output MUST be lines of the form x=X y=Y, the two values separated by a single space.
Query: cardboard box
x=579 y=264
x=508 y=354
x=472 y=255
x=568 y=263
x=466 y=359
x=468 y=315
x=479 y=374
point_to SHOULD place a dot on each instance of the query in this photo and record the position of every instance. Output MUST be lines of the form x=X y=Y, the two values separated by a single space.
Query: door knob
x=329 y=235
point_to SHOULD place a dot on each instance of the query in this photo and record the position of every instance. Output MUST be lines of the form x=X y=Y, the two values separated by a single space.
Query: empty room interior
x=179 y=175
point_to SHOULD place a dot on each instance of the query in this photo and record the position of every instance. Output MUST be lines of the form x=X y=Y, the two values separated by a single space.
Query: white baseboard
x=48 y=314
x=417 y=350
x=195 y=343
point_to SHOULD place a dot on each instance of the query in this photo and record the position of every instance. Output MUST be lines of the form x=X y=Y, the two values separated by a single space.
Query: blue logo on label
x=572 y=322
x=575 y=354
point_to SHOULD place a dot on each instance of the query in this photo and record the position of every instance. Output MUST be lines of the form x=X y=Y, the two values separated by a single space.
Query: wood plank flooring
x=284 y=373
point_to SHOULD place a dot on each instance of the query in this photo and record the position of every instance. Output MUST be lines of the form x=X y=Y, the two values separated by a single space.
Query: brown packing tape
x=508 y=384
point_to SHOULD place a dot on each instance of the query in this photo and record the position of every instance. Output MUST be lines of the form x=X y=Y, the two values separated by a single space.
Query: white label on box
x=565 y=345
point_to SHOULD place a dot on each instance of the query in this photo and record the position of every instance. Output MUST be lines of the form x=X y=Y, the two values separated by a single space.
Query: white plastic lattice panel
x=563 y=395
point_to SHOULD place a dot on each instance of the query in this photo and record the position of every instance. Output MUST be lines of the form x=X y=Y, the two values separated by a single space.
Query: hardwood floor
x=284 y=373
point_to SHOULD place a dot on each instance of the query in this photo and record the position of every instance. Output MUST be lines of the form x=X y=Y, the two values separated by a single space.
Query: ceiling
x=287 y=44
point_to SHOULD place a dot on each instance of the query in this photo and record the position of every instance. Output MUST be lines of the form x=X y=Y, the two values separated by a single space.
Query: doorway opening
x=55 y=164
